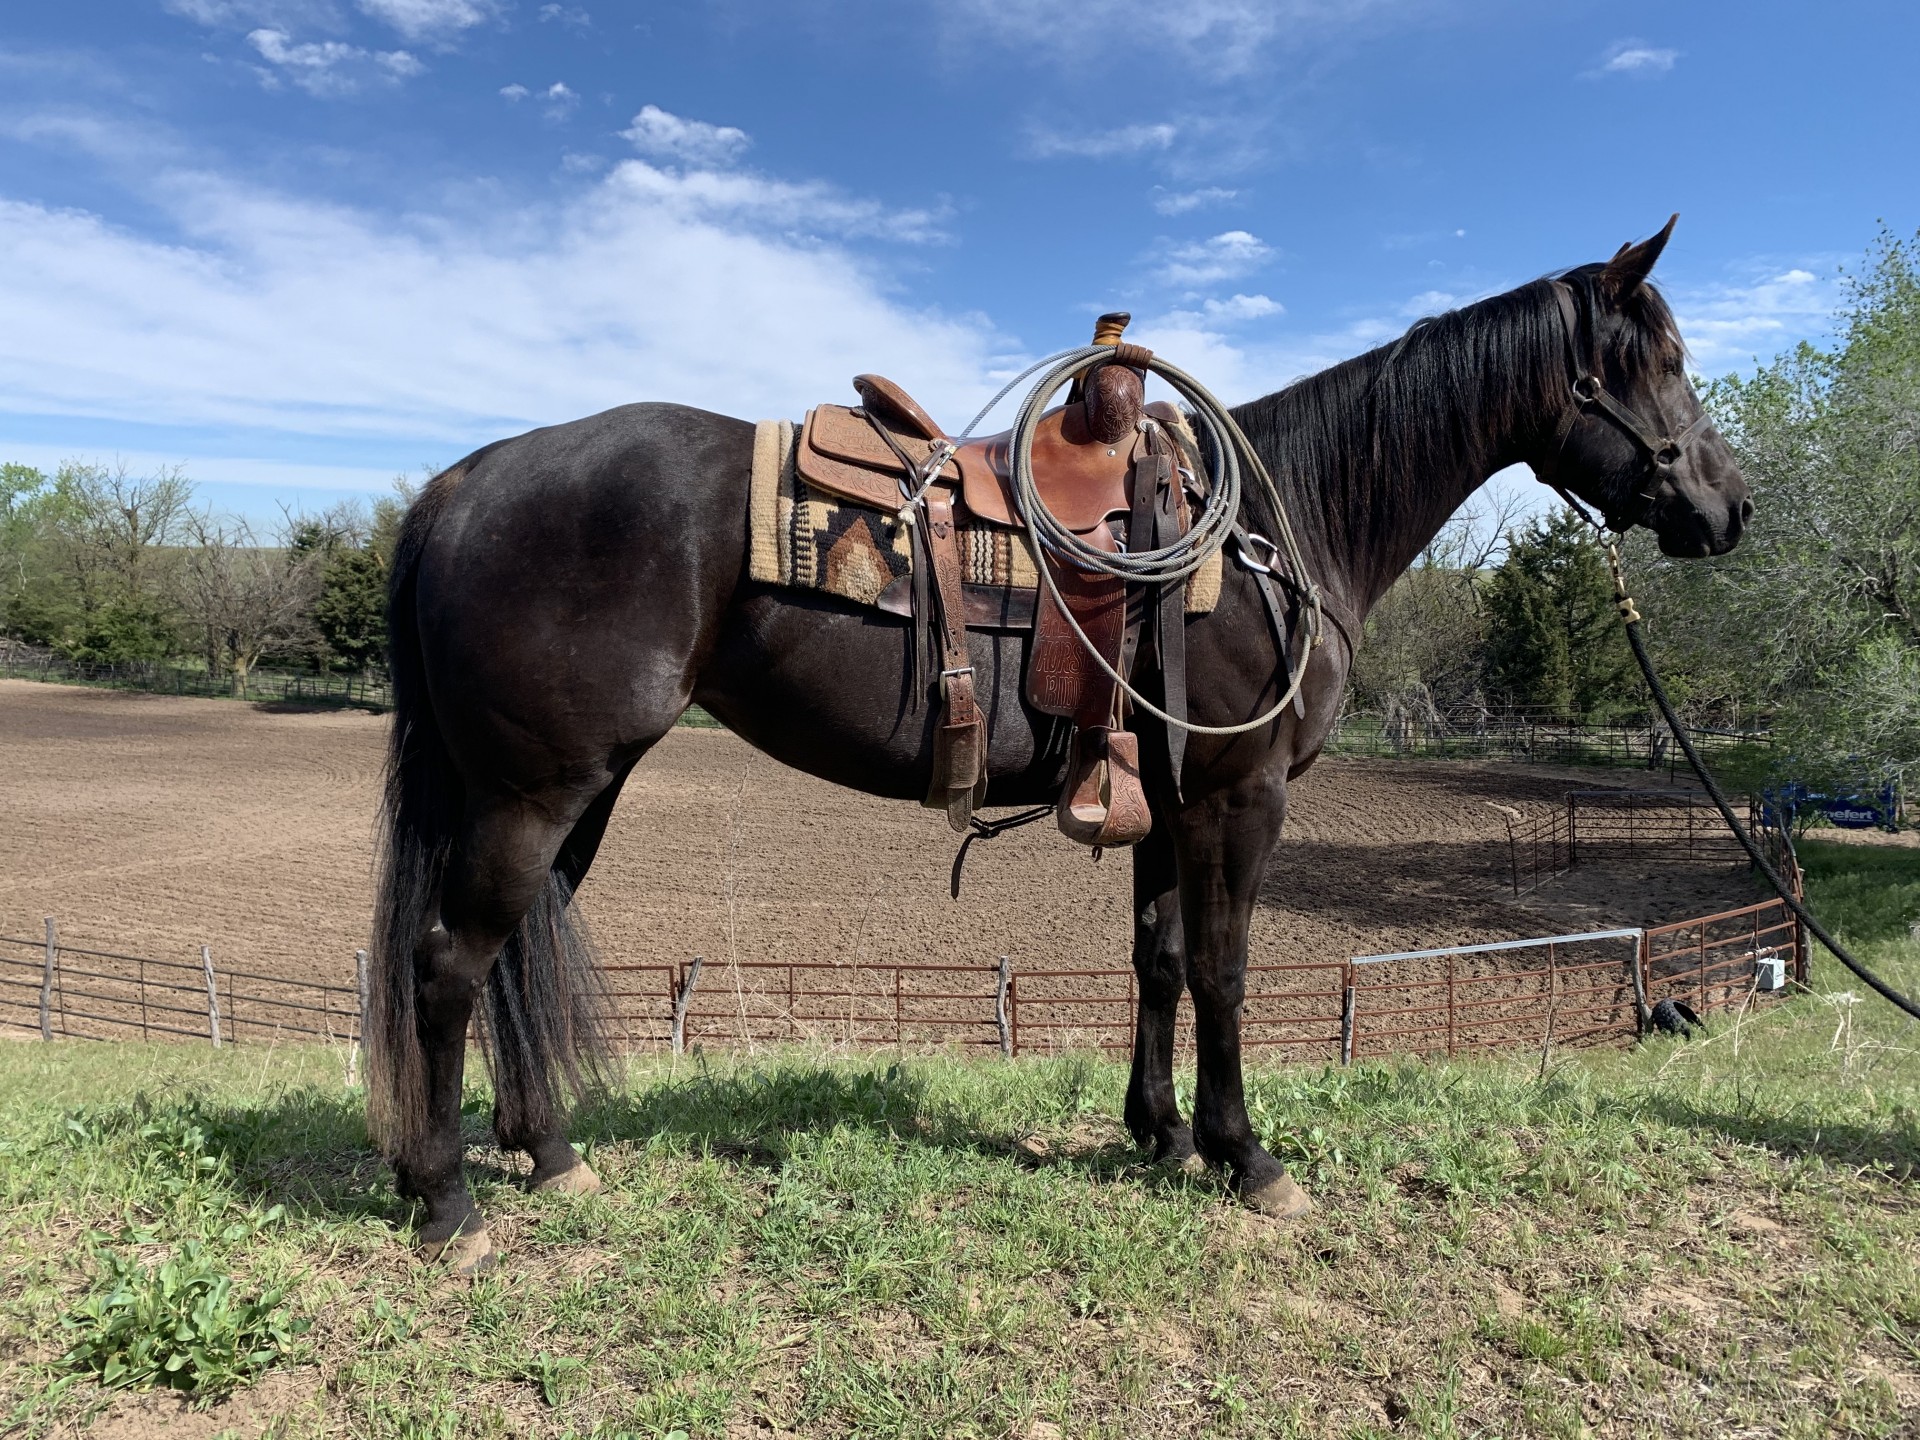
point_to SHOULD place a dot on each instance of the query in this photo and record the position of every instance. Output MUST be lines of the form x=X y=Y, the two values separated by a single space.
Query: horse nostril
x=1746 y=512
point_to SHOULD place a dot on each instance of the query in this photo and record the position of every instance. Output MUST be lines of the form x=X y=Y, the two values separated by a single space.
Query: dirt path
x=152 y=824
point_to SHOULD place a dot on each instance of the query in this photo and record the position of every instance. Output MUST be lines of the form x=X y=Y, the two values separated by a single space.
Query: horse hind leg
x=529 y=1053
x=1160 y=966
x=498 y=868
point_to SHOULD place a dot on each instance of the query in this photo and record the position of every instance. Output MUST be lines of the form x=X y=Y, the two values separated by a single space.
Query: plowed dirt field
x=153 y=825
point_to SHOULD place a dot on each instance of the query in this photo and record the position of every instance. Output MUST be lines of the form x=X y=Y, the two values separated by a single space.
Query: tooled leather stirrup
x=960 y=737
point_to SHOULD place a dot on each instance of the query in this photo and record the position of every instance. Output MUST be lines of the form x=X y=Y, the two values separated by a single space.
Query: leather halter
x=1589 y=394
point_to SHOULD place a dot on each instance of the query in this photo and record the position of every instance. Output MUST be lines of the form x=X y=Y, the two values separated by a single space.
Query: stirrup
x=1104 y=803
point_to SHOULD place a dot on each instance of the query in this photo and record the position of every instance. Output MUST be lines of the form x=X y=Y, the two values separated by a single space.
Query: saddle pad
x=810 y=539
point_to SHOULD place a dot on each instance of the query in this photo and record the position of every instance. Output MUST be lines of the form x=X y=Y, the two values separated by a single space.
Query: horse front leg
x=1160 y=964
x=1224 y=844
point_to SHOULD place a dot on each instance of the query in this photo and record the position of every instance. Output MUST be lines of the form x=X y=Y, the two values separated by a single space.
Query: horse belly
x=826 y=687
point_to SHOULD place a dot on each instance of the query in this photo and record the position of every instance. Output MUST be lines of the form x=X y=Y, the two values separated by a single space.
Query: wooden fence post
x=1346 y=1021
x=213 y=996
x=360 y=1021
x=1000 y=1016
x=682 y=1001
x=46 y=982
x=1642 y=964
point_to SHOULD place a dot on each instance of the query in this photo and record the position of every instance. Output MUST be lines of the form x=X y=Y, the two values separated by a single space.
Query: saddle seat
x=1079 y=477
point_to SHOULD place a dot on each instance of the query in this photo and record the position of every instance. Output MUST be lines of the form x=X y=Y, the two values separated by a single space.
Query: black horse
x=558 y=599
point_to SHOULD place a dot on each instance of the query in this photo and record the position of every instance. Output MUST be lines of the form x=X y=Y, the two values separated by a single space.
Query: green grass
x=1705 y=1239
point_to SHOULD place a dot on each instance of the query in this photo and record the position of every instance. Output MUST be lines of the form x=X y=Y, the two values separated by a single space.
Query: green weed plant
x=178 y=1324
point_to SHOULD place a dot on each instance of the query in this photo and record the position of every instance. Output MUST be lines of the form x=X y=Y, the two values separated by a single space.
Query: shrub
x=176 y=1324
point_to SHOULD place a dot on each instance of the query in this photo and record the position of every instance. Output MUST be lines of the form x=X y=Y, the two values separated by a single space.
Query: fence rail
x=158 y=677
x=1614 y=825
x=1566 y=990
x=1522 y=736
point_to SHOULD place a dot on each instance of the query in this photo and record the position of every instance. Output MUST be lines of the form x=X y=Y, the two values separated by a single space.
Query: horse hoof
x=1278 y=1199
x=1185 y=1162
x=466 y=1255
x=580 y=1180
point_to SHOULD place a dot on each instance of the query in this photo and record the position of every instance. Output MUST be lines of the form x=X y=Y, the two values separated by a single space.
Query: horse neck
x=1406 y=433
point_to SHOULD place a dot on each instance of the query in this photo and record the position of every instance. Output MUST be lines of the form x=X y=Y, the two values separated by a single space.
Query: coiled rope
x=1233 y=459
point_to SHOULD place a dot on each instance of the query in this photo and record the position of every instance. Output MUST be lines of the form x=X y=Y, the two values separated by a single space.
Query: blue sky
x=298 y=246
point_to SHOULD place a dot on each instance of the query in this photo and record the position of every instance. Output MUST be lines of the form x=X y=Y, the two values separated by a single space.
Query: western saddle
x=1104 y=465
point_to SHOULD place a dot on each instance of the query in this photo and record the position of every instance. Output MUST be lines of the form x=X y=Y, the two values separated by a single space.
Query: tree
x=88 y=558
x=243 y=598
x=1422 y=650
x=355 y=545
x=1554 y=640
x=1815 y=617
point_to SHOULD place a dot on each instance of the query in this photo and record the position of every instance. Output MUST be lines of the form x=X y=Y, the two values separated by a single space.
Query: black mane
x=1355 y=448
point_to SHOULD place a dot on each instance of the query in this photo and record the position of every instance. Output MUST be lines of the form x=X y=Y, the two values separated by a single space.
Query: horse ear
x=1631 y=264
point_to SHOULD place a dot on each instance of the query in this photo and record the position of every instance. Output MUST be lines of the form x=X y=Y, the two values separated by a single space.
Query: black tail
x=541 y=1026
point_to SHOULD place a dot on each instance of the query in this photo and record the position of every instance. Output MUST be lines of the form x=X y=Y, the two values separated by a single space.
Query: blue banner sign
x=1859 y=809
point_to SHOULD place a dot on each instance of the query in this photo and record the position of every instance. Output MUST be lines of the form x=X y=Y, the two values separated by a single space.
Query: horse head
x=1633 y=439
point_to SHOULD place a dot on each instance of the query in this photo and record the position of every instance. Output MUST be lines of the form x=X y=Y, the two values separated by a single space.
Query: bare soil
x=154 y=824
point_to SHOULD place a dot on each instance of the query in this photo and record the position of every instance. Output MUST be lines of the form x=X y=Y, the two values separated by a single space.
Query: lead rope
x=1630 y=616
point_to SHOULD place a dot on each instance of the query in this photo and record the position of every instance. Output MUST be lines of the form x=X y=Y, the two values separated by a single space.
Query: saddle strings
x=1173 y=564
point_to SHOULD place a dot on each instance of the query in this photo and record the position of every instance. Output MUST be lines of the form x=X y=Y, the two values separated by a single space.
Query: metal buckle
x=1251 y=538
x=1590 y=394
x=938 y=454
x=962 y=670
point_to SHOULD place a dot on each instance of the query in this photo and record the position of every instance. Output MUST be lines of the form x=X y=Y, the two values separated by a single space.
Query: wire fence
x=163 y=678
x=72 y=992
x=1558 y=990
x=1610 y=826
x=1525 y=736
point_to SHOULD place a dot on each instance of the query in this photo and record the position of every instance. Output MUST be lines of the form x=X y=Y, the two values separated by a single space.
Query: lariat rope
x=1630 y=616
x=1217 y=522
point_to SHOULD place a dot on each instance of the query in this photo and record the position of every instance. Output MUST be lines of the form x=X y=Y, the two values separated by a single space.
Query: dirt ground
x=153 y=825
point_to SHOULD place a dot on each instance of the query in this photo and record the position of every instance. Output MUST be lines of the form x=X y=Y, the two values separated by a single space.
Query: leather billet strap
x=960 y=750
x=1170 y=632
x=1587 y=393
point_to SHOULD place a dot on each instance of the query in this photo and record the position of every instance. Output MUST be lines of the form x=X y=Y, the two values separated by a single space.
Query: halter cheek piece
x=1588 y=394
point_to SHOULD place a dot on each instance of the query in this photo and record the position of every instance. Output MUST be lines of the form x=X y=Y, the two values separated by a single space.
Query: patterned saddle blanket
x=809 y=539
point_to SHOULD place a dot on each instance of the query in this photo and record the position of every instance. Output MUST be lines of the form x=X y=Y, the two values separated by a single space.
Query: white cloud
x=431 y=20
x=561 y=99
x=439 y=331
x=1180 y=202
x=1223 y=37
x=1633 y=57
x=329 y=67
x=793 y=208
x=515 y=92
x=1429 y=302
x=1727 y=325
x=1048 y=144
x=1226 y=256
x=1242 y=307
x=288 y=15
x=667 y=136
x=573 y=19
